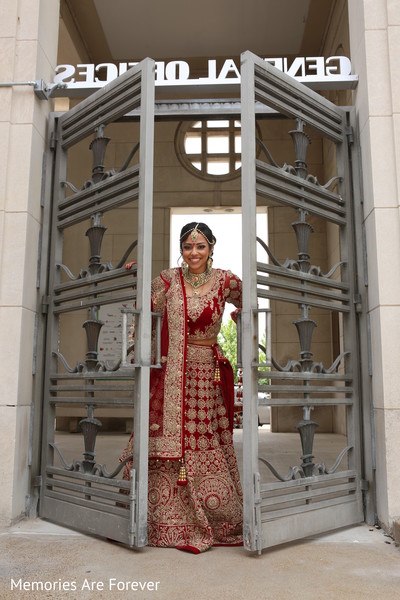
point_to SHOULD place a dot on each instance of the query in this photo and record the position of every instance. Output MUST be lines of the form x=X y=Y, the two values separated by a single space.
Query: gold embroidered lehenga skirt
x=208 y=510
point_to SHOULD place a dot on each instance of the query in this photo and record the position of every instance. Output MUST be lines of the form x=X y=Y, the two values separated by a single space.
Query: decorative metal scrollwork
x=95 y=235
x=295 y=265
x=299 y=472
x=99 y=366
x=96 y=232
x=301 y=140
x=95 y=469
x=99 y=146
x=304 y=324
x=314 y=367
x=89 y=426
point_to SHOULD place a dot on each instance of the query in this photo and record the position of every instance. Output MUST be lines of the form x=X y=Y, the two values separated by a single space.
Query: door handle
x=157 y=358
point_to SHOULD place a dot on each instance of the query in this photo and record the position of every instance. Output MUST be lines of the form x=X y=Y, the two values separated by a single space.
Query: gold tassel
x=182 y=478
x=217 y=374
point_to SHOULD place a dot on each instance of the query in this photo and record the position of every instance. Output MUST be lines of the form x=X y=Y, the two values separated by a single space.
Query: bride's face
x=195 y=253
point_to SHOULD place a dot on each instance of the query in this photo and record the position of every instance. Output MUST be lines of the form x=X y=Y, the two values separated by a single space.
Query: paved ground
x=356 y=563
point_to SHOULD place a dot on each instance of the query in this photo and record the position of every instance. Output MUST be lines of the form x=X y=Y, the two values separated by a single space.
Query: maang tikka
x=194 y=233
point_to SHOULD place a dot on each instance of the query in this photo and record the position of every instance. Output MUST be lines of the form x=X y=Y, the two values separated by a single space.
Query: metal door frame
x=85 y=495
x=260 y=82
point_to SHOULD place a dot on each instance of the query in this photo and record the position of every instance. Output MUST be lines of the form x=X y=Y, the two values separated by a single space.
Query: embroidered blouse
x=204 y=313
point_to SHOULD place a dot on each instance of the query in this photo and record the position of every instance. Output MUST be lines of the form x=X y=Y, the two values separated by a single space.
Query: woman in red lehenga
x=195 y=496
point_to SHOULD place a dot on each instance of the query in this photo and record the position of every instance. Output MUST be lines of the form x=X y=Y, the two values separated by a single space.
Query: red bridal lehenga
x=191 y=421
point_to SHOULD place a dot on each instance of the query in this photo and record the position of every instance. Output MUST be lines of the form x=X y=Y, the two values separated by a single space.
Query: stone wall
x=28 y=42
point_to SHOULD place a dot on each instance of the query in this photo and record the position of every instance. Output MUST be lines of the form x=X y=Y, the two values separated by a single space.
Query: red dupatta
x=167 y=386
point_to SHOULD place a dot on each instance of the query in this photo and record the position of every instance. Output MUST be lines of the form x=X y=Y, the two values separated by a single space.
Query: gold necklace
x=196 y=280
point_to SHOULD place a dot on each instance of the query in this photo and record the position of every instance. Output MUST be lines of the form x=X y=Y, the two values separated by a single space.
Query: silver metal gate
x=313 y=497
x=80 y=493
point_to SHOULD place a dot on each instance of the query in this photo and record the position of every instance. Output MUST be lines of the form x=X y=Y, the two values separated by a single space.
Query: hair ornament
x=194 y=233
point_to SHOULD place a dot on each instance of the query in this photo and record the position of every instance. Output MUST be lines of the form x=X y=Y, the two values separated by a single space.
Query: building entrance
x=308 y=371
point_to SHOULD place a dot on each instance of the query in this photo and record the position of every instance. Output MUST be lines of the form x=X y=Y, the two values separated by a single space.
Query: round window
x=210 y=149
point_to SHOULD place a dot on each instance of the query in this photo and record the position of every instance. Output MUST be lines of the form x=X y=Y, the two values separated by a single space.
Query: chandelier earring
x=184 y=266
x=210 y=261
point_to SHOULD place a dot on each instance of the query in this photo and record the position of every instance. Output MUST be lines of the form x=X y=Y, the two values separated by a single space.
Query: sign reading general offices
x=318 y=72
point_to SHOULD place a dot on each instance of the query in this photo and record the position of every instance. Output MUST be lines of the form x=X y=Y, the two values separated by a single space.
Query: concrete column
x=375 y=49
x=28 y=47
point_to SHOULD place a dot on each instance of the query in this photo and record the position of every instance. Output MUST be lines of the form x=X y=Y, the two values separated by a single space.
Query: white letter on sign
x=344 y=66
x=177 y=70
x=316 y=63
x=229 y=67
x=159 y=68
x=69 y=70
x=87 y=72
x=111 y=71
